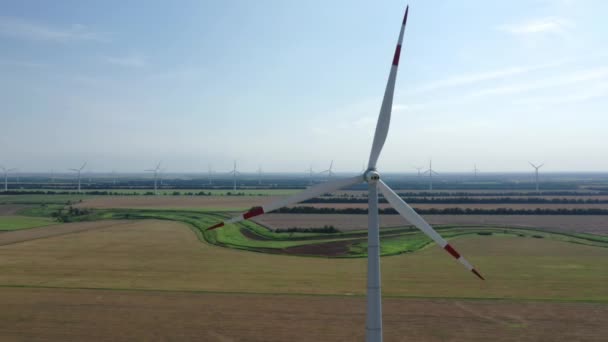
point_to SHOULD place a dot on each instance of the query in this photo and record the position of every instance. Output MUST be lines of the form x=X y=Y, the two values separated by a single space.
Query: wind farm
x=259 y=223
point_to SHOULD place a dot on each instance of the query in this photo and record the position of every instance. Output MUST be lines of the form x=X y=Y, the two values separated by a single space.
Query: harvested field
x=93 y=315
x=595 y=224
x=465 y=205
x=11 y=209
x=165 y=255
x=176 y=202
x=12 y=237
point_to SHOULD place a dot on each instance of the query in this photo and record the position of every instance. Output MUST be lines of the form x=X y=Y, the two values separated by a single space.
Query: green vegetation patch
x=23 y=222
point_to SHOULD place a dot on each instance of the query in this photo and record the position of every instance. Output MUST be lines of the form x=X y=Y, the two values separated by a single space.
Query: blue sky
x=285 y=84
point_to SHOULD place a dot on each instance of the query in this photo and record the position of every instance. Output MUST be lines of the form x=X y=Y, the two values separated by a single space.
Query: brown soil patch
x=11 y=209
x=253 y=236
x=23 y=235
x=328 y=249
x=97 y=315
x=595 y=224
x=176 y=202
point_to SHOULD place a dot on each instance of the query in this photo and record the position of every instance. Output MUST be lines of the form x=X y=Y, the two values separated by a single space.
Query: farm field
x=85 y=315
x=465 y=205
x=595 y=224
x=153 y=279
x=164 y=255
x=23 y=222
x=206 y=203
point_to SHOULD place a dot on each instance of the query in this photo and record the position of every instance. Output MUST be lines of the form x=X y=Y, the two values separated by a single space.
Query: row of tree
x=448 y=211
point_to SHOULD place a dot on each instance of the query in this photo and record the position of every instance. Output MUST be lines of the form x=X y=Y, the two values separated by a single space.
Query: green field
x=23 y=222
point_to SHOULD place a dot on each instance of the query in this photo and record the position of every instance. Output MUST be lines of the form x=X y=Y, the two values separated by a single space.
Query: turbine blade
x=384 y=118
x=412 y=217
x=299 y=197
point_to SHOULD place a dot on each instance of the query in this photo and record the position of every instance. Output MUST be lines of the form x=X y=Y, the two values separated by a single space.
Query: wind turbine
x=329 y=171
x=430 y=172
x=475 y=170
x=260 y=175
x=372 y=178
x=210 y=175
x=155 y=170
x=310 y=174
x=6 y=171
x=79 y=172
x=536 y=173
x=418 y=168
x=234 y=173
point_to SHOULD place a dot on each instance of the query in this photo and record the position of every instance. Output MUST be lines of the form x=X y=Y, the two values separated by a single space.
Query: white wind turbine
x=156 y=171
x=210 y=175
x=418 y=168
x=310 y=174
x=475 y=170
x=431 y=172
x=536 y=173
x=234 y=173
x=6 y=171
x=372 y=178
x=329 y=171
x=79 y=173
x=260 y=175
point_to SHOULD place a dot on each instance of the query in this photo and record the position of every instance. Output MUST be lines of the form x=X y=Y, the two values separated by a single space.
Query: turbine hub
x=371 y=176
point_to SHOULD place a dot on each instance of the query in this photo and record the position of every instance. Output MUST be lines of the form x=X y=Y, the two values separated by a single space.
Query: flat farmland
x=595 y=224
x=155 y=280
x=466 y=205
x=165 y=255
x=86 y=315
x=176 y=202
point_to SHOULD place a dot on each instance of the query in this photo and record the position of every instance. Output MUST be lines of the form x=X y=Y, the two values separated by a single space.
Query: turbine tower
x=260 y=175
x=156 y=171
x=418 y=168
x=6 y=171
x=431 y=172
x=210 y=175
x=310 y=173
x=372 y=177
x=475 y=170
x=79 y=173
x=536 y=173
x=234 y=173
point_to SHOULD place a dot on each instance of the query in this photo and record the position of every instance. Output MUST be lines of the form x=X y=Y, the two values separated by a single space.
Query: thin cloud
x=127 y=61
x=468 y=79
x=598 y=73
x=22 y=29
x=539 y=26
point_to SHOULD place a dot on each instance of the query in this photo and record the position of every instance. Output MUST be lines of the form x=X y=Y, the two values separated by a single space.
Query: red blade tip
x=477 y=274
x=216 y=226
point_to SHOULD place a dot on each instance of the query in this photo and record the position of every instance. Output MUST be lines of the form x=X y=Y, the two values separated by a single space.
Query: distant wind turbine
x=418 y=168
x=329 y=171
x=156 y=171
x=430 y=172
x=79 y=173
x=536 y=173
x=310 y=173
x=234 y=173
x=210 y=175
x=373 y=326
x=475 y=170
x=260 y=175
x=6 y=171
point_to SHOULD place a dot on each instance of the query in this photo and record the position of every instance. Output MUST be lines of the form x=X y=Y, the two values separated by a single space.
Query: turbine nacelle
x=371 y=176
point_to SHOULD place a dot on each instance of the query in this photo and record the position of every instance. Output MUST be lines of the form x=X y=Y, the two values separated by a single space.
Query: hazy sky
x=285 y=83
